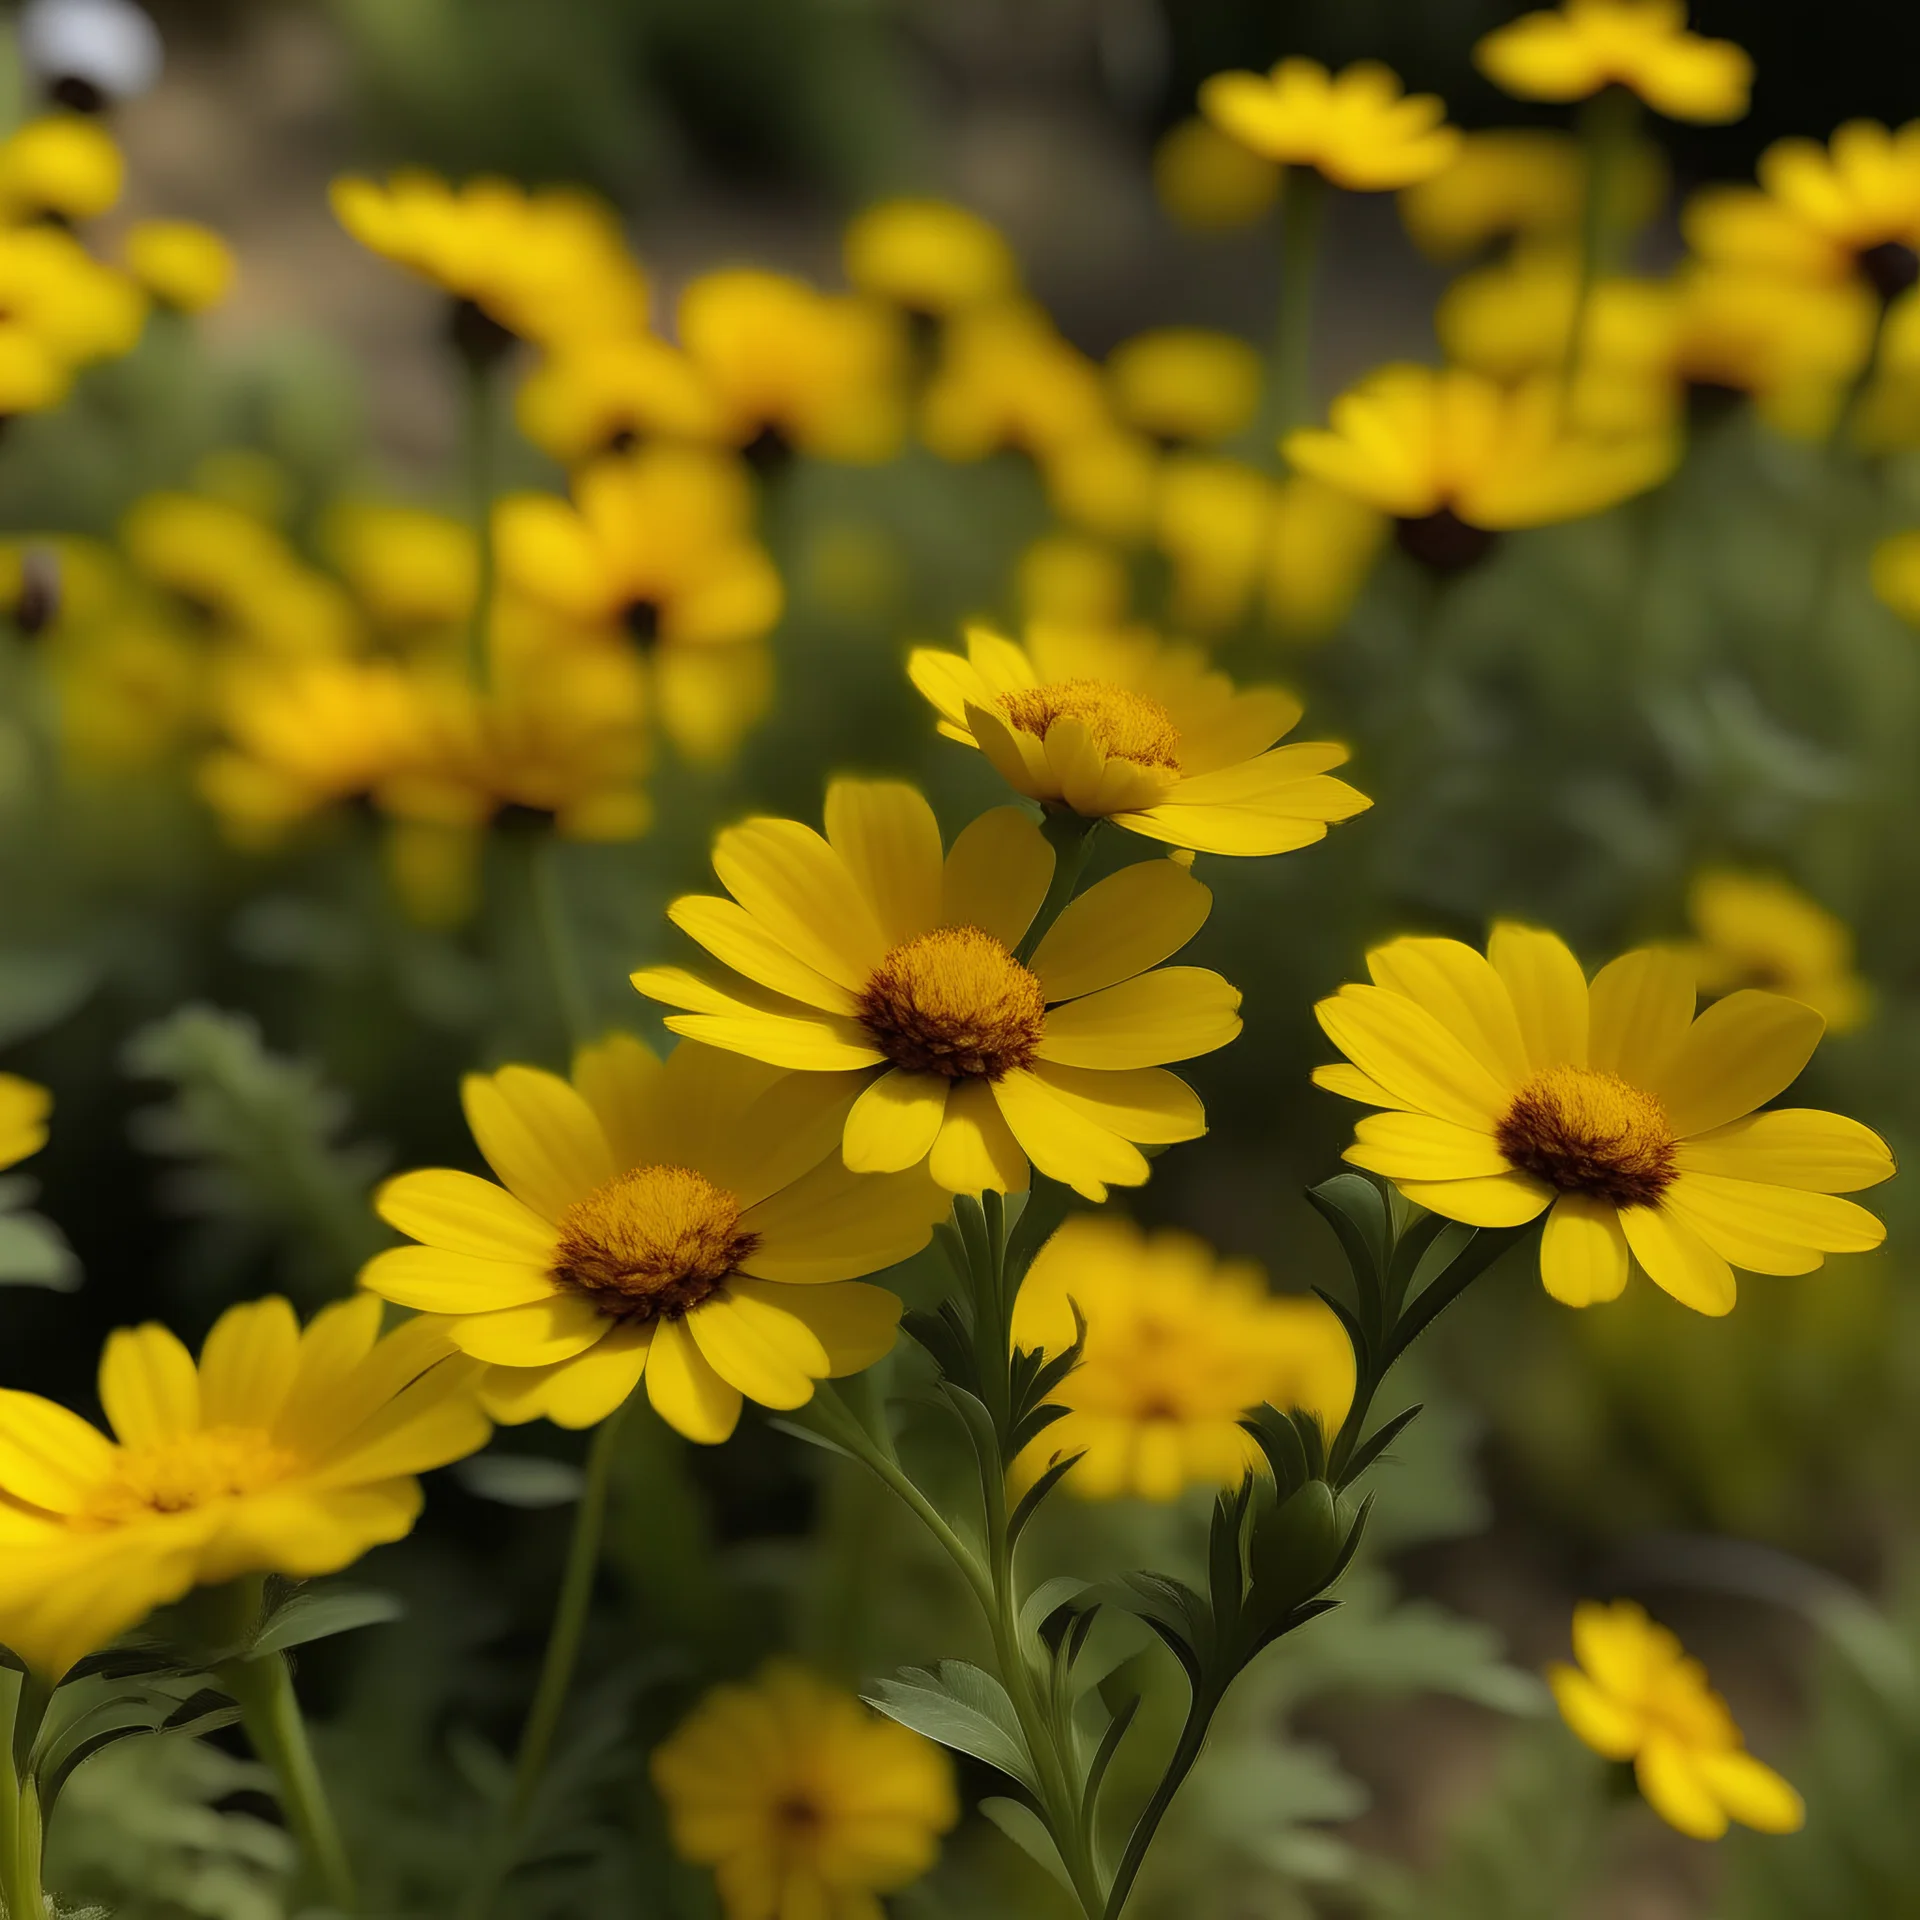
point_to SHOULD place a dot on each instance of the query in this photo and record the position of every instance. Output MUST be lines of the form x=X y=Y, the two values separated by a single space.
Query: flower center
x=956 y=1002
x=652 y=1243
x=1582 y=1130
x=182 y=1472
x=1125 y=725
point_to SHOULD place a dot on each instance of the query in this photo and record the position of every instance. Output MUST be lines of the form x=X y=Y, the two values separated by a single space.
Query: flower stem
x=556 y=935
x=22 y=1838
x=1193 y=1736
x=1303 y=218
x=1070 y=835
x=1607 y=128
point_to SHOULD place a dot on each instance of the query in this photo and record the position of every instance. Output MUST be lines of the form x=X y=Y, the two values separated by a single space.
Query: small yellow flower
x=1184 y=384
x=1072 y=580
x=1896 y=574
x=281 y=1452
x=1323 y=545
x=414 y=571
x=1007 y=379
x=1642 y=45
x=598 y=397
x=868 y=958
x=1103 y=482
x=1512 y=1087
x=1179 y=1345
x=1122 y=727
x=686 y=1221
x=929 y=257
x=1214 y=521
x=182 y=264
x=24 y=1108
x=1357 y=127
x=807 y=1805
x=64 y=164
x=1757 y=930
x=60 y=309
x=1637 y=1696
x=1446 y=450
x=1209 y=181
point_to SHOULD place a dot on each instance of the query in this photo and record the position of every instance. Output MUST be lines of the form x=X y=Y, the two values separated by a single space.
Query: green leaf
x=530 y=1480
x=1028 y=1832
x=1048 y=1598
x=34 y=1253
x=963 y=1708
x=319 y=1614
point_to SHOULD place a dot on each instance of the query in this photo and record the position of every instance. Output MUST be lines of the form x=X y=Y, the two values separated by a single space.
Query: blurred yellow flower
x=797 y=370
x=129 y=689
x=1006 y=378
x=684 y=1221
x=1118 y=726
x=806 y=1804
x=1512 y=1088
x=1206 y=180
x=1323 y=545
x=64 y=165
x=182 y=264
x=1180 y=1344
x=548 y=266
x=1357 y=127
x=1757 y=930
x=868 y=958
x=24 y=1108
x=929 y=257
x=282 y=1452
x=59 y=310
x=1453 y=456
x=1526 y=183
x=1214 y=521
x=1184 y=384
x=413 y=570
x=606 y=396
x=1103 y=482
x=1896 y=574
x=1642 y=45
x=1637 y=1696
x=1069 y=578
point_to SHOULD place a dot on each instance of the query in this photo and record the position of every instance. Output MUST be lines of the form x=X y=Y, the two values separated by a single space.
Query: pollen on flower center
x=1126 y=725
x=954 y=1002
x=651 y=1244
x=1582 y=1130
x=185 y=1471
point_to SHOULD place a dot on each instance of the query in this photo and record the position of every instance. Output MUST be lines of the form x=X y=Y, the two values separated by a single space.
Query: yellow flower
x=1896 y=574
x=1207 y=181
x=64 y=164
x=1642 y=45
x=59 y=310
x=413 y=570
x=282 y=1452
x=182 y=264
x=795 y=369
x=1453 y=450
x=807 y=1805
x=597 y=397
x=869 y=960
x=549 y=266
x=685 y=1221
x=1323 y=545
x=929 y=256
x=1637 y=1696
x=1214 y=521
x=1122 y=727
x=1356 y=127
x=1179 y=1345
x=24 y=1108
x=1758 y=931
x=1007 y=379
x=1524 y=183
x=1103 y=482
x=1185 y=383
x=1068 y=578
x=1512 y=1087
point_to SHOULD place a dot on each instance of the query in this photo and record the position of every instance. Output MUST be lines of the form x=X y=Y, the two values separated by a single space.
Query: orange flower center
x=954 y=1002
x=1582 y=1130
x=1125 y=725
x=182 y=1472
x=652 y=1243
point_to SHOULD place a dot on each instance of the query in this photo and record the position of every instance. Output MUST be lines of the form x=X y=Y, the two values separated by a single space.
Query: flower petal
x=1172 y=1013
x=1408 y=1052
x=1063 y=1142
x=833 y=1224
x=1120 y=927
x=730 y=933
x=1584 y=1257
x=770 y=1356
x=893 y=1125
x=686 y=1392
x=248 y=1364
x=1639 y=1009
x=800 y=891
x=149 y=1387
x=1600 y=1720
x=1463 y=993
x=887 y=835
x=1548 y=990
x=534 y=1335
x=1345 y=1079
x=976 y=1151
x=539 y=1136
x=1792 y=1147
x=802 y=1046
x=1416 y=1146
x=583 y=1391
x=461 y=1213
x=1505 y=1200
x=1754 y=1224
x=49 y=1457
x=1147 y=1105
x=1677 y=1260
x=1751 y=1792
x=1671 y=1780
x=431 y=1280
x=854 y=1323
x=1740 y=1053
x=996 y=875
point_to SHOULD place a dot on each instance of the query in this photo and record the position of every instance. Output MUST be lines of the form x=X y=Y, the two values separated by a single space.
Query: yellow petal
x=996 y=875
x=1641 y=1006
x=1781 y=1221
x=1063 y=1142
x=622 y=1079
x=887 y=835
x=49 y=1457
x=1736 y=1057
x=1017 y=756
x=854 y=1323
x=1345 y=1079
x=462 y=1214
x=1583 y=1253
x=1147 y=1105
x=765 y=1131
x=148 y=1386
x=833 y=1224
x=803 y=1046
x=1751 y=1792
x=1548 y=990
x=1677 y=1260
x=1506 y=1200
x=771 y=1357
x=685 y=1391
x=1172 y=1013
x=583 y=1391
x=730 y=933
x=947 y=681
x=1792 y=1147
x=431 y=1280
x=1119 y=927
x=1407 y=1051
x=1600 y=1720
x=539 y=1136
x=800 y=891
x=1671 y=1781
x=531 y=1336
x=976 y=1151
x=1463 y=993
x=248 y=1364
x=1416 y=1146
x=893 y=1125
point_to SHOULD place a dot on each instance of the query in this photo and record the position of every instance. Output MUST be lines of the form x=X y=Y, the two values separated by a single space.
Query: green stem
x=1193 y=1736
x=480 y=410
x=557 y=1668
x=556 y=935
x=1070 y=835
x=1607 y=129
x=1303 y=217
x=21 y=1834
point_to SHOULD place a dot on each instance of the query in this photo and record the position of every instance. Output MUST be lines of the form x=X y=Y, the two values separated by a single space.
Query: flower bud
x=1297 y=1548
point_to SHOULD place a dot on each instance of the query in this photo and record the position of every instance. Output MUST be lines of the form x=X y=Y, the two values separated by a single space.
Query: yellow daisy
x=869 y=959
x=24 y=1108
x=1637 y=1696
x=682 y=1220
x=1118 y=726
x=63 y=165
x=1179 y=1345
x=1757 y=930
x=1642 y=45
x=1512 y=1087
x=806 y=1804
x=182 y=264
x=598 y=397
x=929 y=257
x=282 y=1452
x=1356 y=127
x=1184 y=384
x=1208 y=181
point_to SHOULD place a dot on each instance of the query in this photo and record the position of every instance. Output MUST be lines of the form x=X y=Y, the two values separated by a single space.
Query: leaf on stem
x=1028 y=1832
x=961 y=1707
x=310 y=1616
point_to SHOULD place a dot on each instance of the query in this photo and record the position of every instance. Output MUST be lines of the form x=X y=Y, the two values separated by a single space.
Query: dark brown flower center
x=1582 y=1130
x=652 y=1243
x=954 y=1002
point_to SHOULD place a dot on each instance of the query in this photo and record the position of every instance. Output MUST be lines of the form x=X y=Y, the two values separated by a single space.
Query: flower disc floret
x=1125 y=725
x=652 y=1243
x=184 y=1471
x=957 y=1003
x=1585 y=1131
